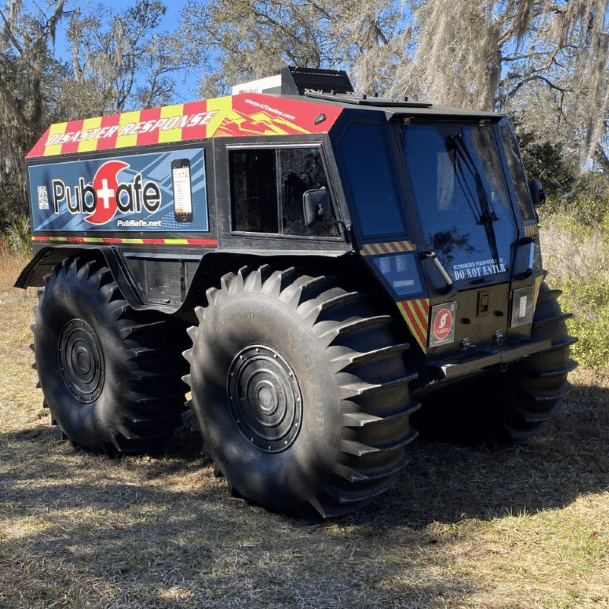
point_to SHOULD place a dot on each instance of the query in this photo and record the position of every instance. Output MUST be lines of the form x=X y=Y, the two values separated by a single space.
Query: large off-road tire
x=111 y=376
x=300 y=392
x=533 y=389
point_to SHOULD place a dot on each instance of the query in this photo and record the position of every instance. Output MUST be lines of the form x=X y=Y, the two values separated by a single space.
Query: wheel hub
x=265 y=398
x=81 y=360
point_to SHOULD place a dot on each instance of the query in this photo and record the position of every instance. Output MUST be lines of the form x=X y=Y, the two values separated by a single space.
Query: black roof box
x=294 y=81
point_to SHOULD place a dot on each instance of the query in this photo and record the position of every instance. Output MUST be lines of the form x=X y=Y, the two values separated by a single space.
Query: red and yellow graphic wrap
x=416 y=314
x=246 y=114
x=394 y=247
x=126 y=241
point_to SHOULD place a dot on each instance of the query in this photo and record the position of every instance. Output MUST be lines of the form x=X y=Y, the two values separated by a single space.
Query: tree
x=254 y=38
x=121 y=61
x=544 y=160
x=27 y=72
x=548 y=59
x=29 y=81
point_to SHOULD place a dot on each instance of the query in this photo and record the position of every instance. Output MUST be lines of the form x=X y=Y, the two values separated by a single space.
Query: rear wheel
x=111 y=376
x=300 y=392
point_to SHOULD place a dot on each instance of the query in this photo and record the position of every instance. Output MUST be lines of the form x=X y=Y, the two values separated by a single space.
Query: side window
x=301 y=170
x=254 y=189
x=510 y=145
x=267 y=189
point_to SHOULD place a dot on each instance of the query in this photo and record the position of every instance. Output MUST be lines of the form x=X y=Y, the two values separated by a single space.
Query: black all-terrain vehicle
x=310 y=263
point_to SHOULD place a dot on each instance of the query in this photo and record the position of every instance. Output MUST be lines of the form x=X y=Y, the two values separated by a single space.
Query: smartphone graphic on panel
x=182 y=190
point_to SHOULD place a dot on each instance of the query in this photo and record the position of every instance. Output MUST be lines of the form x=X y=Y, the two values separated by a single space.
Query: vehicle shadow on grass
x=84 y=531
x=160 y=530
x=448 y=479
x=458 y=472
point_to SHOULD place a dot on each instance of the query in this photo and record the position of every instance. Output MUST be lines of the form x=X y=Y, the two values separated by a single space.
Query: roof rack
x=334 y=85
x=331 y=85
x=368 y=100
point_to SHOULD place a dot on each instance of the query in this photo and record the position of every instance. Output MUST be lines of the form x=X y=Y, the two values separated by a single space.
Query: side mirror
x=538 y=194
x=316 y=207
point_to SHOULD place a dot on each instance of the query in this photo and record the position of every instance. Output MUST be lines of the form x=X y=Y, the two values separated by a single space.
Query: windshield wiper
x=484 y=214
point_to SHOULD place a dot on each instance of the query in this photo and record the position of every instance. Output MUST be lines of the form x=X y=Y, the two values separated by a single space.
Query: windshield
x=461 y=197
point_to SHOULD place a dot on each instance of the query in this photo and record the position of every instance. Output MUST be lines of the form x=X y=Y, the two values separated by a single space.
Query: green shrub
x=587 y=202
x=18 y=236
x=544 y=160
x=588 y=300
x=574 y=233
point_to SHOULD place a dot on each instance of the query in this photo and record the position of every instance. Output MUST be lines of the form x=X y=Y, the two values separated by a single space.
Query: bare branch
x=7 y=33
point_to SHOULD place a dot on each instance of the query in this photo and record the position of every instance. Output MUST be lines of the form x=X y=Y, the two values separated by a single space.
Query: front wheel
x=111 y=376
x=300 y=392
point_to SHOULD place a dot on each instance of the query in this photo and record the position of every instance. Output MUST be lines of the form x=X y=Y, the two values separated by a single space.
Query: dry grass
x=523 y=526
x=10 y=266
x=570 y=249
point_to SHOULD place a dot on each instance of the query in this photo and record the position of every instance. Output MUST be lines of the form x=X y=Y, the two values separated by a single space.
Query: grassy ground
x=524 y=526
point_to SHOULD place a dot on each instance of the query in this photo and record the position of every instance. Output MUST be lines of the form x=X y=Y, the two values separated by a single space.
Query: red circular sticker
x=442 y=324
